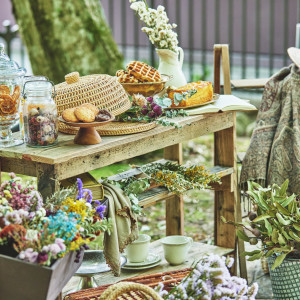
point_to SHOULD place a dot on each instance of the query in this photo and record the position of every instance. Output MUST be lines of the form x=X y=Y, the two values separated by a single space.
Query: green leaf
x=288 y=200
x=282 y=220
x=287 y=236
x=255 y=256
x=282 y=209
x=279 y=259
x=251 y=252
x=268 y=226
x=274 y=236
x=269 y=253
x=281 y=239
x=297 y=227
x=294 y=235
x=223 y=219
x=283 y=188
x=242 y=235
x=261 y=218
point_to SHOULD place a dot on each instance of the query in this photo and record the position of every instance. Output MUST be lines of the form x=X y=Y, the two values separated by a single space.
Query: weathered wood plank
x=115 y=152
x=197 y=251
x=174 y=204
x=114 y=149
x=225 y=201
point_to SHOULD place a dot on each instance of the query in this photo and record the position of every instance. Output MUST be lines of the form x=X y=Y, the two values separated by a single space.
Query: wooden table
x=50 y=165
x=197 y=251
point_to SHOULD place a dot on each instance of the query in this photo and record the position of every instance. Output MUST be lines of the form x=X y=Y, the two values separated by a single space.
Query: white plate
x=142 y=267
x=151 y=259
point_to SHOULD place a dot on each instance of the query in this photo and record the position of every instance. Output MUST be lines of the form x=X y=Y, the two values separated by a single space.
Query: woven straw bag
x=102 y=90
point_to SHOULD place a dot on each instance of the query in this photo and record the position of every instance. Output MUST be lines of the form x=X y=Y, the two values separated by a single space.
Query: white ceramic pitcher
x=169 y=64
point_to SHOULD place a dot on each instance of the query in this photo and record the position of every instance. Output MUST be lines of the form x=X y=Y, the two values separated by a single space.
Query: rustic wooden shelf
x=157 y=194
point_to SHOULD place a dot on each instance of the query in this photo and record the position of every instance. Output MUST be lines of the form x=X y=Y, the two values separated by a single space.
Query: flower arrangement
x=275 y=221
x=210 y=279
x=43 y=231
x=148 y=110
x=157 y=26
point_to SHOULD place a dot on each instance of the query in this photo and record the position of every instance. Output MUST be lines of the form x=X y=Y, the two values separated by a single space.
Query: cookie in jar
x=40 y=114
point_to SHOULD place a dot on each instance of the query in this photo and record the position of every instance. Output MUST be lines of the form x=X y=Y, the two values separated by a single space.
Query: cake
x=204 y=94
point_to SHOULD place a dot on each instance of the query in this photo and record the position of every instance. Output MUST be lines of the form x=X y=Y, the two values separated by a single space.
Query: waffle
x=143 y=72
x=127 y=78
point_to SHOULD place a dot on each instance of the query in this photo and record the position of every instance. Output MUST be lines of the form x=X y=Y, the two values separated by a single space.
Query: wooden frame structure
x=53 y=164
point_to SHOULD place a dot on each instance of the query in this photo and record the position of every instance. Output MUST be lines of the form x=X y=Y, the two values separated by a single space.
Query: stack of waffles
x=138 y=72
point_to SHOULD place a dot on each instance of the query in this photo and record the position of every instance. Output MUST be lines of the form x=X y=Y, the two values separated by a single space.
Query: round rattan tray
x=113 y=128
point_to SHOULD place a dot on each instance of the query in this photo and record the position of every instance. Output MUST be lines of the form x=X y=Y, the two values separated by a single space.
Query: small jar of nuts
x=40 y=114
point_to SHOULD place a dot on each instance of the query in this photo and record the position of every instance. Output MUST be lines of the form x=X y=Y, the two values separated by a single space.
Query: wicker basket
x=169 y=280
x=102 y=90
x=113 y=128
x=285 y=279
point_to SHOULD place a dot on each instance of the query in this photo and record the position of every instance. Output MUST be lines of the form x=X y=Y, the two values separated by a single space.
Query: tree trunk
x=63 y=36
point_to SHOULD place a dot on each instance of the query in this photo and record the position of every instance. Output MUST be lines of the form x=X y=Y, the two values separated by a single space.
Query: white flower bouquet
x=156 y=25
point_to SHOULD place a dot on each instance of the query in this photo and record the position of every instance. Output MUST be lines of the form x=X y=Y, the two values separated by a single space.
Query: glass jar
x=11 y=82
x=26 y=79
x=40 y=114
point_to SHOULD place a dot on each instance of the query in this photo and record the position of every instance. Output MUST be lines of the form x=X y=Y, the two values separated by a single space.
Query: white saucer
x=142 y=267
x=151 y=261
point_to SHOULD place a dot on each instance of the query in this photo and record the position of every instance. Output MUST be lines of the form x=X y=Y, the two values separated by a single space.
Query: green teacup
x=176 y=248
x=138 y=250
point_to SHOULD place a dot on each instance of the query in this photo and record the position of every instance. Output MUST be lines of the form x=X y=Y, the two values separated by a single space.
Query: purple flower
x=29 y=255
x=145 y=110
x=100 y=209
x=79 y=186
x=42 y=257
x=97 y=202
x=157 y=109
x=151 y=115
x=153 y=104
x=150 y=99
x=87 y=195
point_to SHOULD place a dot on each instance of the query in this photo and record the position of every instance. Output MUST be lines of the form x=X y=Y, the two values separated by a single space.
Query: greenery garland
x=176 y=178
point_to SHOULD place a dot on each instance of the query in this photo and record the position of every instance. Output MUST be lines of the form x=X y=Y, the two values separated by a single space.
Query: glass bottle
x=11 y=82
x=40 y=114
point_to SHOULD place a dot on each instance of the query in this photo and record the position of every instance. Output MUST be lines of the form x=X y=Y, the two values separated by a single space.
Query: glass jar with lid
x=11 y=82
x=40 y=114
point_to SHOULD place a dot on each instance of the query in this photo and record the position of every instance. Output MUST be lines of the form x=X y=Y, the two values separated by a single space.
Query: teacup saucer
x=151 y=261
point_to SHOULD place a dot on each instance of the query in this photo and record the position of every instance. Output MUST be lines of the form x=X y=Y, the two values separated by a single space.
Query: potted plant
x=41 y=240
x=276 y=223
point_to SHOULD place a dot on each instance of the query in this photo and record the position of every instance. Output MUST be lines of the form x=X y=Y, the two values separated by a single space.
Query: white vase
x=170 y=64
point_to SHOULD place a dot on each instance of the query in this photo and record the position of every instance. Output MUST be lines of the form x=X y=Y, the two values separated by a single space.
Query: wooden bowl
x=147 y=89
x=87 y=134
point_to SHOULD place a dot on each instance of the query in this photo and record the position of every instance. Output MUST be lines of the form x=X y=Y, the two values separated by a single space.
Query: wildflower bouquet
x=43 y=231
x=210 y=279
x=156 y=25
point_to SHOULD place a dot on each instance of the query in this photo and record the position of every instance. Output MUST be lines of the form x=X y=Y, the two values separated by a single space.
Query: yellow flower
x=7 y=194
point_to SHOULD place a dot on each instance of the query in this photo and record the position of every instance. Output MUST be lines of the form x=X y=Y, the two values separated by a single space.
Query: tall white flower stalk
x=156 y=25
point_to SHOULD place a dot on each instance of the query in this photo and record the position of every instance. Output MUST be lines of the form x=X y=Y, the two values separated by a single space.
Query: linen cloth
x=125 y=229
x=274 y=152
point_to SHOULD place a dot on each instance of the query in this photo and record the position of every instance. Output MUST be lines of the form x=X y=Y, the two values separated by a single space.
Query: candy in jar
x=40 y=114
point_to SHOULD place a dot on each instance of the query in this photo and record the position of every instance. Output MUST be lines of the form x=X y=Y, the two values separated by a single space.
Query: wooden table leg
x=174 y=205
x=225 y=201
x=47 y=182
